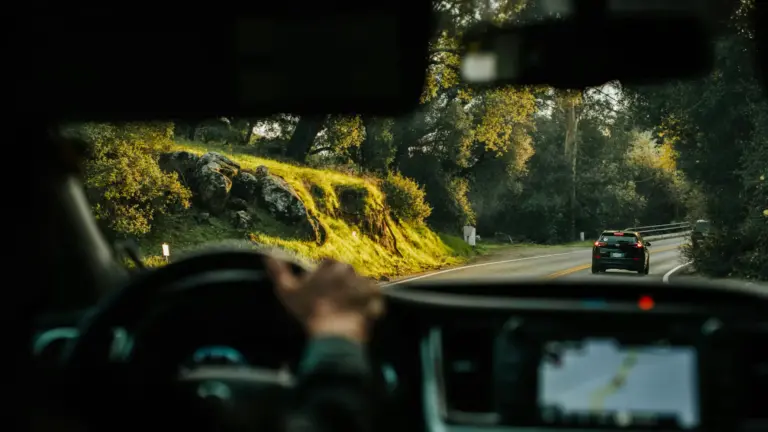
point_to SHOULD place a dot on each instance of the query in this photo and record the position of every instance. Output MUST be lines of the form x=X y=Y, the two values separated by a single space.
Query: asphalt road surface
x=557 y=263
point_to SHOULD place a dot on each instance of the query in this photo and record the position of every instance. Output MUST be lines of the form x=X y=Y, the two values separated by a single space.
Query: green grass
x=419 y=248
x=489 y=247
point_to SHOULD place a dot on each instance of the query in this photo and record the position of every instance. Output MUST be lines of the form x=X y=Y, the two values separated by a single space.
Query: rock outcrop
x=220 y=185
x=213 y=175
x=359 y=208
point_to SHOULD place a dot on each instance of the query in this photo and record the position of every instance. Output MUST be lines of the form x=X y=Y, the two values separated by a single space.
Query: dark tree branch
x=444 y=51
x=320 y=149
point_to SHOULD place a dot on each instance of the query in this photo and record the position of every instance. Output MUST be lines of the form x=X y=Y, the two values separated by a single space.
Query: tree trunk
x=571 y=128
x=191 y=131
x=248 y=132
x=366 y=147
x=303 y=137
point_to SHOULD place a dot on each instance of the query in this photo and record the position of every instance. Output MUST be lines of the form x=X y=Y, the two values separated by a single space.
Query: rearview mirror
x=592 y=47
x=647 y=243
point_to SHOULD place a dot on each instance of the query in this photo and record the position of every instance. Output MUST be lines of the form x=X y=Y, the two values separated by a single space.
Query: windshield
x=496 y=175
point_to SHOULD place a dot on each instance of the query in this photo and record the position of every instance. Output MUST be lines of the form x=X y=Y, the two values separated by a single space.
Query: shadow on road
x=619 y=273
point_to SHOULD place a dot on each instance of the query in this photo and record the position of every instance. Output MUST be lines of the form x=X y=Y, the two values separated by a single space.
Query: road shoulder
x=683 y=271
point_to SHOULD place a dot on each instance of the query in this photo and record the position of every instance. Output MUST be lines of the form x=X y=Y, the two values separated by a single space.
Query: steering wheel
x=168 y=311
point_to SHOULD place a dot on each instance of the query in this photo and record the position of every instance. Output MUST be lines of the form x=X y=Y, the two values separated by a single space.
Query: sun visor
x=316 y=60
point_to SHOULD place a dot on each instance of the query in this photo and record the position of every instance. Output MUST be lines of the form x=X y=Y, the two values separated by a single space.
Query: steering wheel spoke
x=237 y=398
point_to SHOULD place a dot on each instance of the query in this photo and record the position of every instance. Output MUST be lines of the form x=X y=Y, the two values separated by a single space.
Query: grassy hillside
x=418 y=248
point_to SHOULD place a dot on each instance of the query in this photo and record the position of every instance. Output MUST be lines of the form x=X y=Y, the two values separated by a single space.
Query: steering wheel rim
x=87 y=359
x=136 y=296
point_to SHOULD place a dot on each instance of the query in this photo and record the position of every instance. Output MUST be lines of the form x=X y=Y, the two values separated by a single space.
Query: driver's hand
x=332 y=300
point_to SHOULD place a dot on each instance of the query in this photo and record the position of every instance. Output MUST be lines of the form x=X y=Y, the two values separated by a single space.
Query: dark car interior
x=203 y=343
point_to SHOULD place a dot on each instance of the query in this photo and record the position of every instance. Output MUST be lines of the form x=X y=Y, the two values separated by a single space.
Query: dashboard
x=503 y=357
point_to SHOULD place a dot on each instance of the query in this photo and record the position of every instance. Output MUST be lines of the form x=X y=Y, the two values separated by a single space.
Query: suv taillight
x=639 y=245
x=599 y=243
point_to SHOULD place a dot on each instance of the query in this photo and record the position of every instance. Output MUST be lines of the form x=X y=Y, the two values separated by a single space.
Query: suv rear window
x=612 y=238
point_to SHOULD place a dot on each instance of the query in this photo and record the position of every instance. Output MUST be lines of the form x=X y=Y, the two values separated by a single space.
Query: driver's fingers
x=281 y=274
x=336 y=268
x=375 y=308
x=335 y=275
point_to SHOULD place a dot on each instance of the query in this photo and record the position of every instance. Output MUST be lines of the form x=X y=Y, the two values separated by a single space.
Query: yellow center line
x=568 y=271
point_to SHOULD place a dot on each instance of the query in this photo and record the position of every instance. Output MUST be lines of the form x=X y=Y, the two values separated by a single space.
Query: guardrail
x=667 y=230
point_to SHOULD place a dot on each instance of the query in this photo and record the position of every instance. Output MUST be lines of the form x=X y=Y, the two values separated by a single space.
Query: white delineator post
x=469 y=235
x=166 y=251
x=581 y=236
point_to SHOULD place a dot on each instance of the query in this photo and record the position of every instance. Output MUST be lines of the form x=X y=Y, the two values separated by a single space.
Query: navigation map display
x=600 y=382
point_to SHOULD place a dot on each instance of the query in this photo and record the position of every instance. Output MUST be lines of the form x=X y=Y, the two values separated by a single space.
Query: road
x=560 y=263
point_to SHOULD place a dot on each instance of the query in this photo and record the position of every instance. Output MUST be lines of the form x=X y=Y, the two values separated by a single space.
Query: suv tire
x=645 y=270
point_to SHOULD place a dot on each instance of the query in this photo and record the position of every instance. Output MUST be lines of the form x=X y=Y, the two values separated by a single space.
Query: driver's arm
x=335 y=391
x=336 y=306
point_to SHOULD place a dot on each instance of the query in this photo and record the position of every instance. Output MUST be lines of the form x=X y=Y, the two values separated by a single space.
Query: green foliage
x=377 y=151
x=124 y=182
x=350 y=208
x=457 y=192
x=717 y=127
x=221 y=130
x=405 y=198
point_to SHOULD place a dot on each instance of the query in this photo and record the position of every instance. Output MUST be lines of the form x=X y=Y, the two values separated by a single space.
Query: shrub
x=124 y=182
x=405 y=198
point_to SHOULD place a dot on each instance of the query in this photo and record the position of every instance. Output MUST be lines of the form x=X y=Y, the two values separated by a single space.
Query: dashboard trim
x=243 y=373
x=543 y=304
x=52 y=335
x=119 y=349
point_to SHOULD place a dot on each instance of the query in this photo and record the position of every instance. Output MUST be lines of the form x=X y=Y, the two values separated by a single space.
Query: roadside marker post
x=166 y=252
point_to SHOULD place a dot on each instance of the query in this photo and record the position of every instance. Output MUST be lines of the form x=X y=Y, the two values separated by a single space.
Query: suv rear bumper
x=619 y=264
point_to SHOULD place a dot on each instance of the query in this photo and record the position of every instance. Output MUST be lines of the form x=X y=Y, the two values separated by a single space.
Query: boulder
x=213 y=174
x=241 y=219
x=246 y=187
x=280 y=199
x=270 y=192
x=182 y=163
x=236 y=203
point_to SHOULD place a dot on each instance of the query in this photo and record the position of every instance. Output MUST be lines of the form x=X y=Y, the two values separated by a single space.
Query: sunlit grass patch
x=417 y=247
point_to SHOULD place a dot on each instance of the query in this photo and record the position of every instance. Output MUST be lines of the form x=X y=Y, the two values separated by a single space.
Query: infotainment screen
x=599 y=381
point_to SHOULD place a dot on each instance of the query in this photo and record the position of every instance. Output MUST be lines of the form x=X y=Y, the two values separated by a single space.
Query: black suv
x=621 y=250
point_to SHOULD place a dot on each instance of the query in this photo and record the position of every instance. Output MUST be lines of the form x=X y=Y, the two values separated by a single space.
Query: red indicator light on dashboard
x=645 y=303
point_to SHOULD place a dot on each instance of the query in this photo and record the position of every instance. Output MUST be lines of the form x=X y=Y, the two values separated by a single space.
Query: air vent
x=757 y=379
x=49 y=345
x=467 y=369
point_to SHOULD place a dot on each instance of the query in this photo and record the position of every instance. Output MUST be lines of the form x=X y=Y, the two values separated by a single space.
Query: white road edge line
x=478 y=265
x=665 y=279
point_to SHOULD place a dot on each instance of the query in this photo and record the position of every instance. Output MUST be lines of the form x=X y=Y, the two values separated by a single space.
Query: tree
x=123 y=180
x=717 y=127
